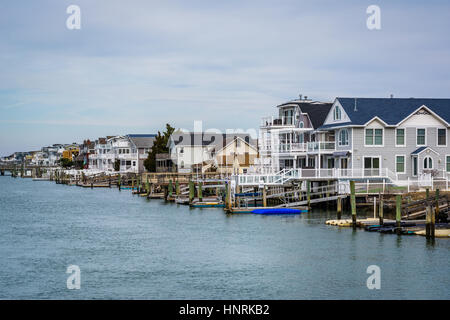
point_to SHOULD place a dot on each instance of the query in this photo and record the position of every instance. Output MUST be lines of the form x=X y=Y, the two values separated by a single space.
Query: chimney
x=306 y=97
x=392 y=95
x=300 y=96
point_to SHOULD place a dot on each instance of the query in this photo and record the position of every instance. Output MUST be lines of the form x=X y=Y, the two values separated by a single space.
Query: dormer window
x=337 y=113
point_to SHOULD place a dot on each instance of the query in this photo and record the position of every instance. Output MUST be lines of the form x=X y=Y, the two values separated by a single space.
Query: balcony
x=277 y=122
x=321 y=146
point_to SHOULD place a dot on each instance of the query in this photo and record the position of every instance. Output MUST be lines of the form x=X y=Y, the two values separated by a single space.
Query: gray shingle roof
x=142 y=140
x=391 y=110
x=217 y=140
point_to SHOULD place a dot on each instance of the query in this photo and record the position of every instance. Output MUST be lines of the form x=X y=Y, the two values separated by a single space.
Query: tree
x=65 y=163
x=117 y=165
x=159 y=146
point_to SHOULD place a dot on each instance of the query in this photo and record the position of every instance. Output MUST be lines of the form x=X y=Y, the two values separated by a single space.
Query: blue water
x=128 y=247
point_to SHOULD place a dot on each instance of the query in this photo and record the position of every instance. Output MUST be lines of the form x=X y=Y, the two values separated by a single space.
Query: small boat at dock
x=277 y=211
x=215 y=204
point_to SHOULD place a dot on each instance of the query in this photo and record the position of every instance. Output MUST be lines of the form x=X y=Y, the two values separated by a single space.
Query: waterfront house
x=196 y=152
x=289 y=140
x=397 y=137
x=129 y=151
x=236 y=157
x=141 y=144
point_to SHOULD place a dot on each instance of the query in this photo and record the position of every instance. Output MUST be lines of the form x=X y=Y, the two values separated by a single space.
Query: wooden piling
x=118 y=181
x=177 y=188
x=353 y=203
x=398 y=215
x=264 y=196
x=308 y=193
x=200 y=191
x=339 y=208
x=380 y=210
x=437 y=202
x=428 y=222
x=191 y=191
x=170 y=188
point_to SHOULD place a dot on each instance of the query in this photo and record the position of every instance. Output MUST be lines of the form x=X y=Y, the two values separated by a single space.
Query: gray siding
x=389 y=151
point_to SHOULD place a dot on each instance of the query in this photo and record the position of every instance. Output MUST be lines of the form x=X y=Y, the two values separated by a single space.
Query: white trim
x=412 y=165
x=437 y=137
x=404 y=138
x=404 y=163
x=377 y=118
x=421 y=145
x=445 y=162
x=339 y=138
x=432 y=163
x=376 y=156
x=428 y=109
x=373 y=145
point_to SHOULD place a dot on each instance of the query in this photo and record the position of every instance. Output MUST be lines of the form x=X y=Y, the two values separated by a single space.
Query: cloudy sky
x=136 y=65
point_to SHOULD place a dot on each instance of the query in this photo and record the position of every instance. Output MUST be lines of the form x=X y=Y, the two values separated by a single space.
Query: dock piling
x=353 y=203
x=398 y=215
x=339 y=208
x=380 y=210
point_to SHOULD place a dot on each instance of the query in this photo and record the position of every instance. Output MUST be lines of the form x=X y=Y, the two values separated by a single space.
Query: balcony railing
x=321 y=146
x=277 y=121
x=286 y=175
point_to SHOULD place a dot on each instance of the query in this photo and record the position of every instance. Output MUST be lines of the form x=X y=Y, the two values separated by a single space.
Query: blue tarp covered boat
x=278 y=211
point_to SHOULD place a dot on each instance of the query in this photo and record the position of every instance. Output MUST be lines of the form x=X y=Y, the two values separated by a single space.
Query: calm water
x=129 y=247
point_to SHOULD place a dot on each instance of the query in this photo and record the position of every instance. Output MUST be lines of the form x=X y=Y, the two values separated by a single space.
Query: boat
x=216 y=204
x=274 y=211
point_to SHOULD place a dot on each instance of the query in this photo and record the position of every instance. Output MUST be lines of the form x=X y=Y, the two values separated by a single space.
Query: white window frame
x=339 y=138
x=421 y=145
x=336 y=109
x=404 y=137
x=373 y=145
x=404 y=163
x=432 y=163
x=364 y=161
x=437 y=137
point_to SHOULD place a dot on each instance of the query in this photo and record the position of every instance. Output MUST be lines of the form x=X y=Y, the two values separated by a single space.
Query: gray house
x=401 y=138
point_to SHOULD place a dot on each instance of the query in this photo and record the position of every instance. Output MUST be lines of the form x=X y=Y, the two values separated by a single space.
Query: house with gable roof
x=406 y=137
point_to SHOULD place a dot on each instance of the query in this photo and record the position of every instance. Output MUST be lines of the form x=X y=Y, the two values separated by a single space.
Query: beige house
x=236 y=157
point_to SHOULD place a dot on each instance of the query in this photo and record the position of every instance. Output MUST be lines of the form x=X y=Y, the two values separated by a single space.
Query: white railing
x=321 y=146
x=277 y=121
x=285 y=175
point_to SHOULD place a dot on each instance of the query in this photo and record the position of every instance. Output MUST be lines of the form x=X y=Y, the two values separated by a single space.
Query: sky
x=136 y=65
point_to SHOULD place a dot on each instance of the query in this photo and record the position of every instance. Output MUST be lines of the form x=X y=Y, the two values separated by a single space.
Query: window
x=400 y=164
x=428 y=163
x=400 y=137
x=447 y=161
x=181 y=150
x=442 y=137
x=337 y=113
x=343 y=137
x=374 y=137
x=301 y=125
x=421 y=141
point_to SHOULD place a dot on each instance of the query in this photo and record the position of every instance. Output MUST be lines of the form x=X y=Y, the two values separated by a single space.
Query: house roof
x=391 y=110
x=218 y=140
x=142 y=140
x=422 y=149
x=317 y=111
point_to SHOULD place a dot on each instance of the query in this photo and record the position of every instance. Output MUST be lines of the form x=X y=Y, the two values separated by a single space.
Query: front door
x=371 y=166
